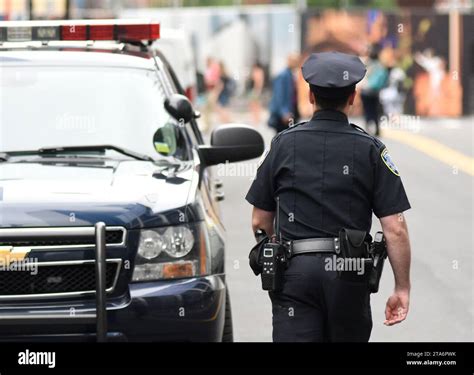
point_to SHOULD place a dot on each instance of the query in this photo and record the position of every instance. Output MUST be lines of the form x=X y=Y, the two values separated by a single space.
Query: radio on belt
x=274 y=259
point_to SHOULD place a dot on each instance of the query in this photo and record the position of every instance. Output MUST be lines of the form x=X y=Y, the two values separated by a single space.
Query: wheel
x=228 y=334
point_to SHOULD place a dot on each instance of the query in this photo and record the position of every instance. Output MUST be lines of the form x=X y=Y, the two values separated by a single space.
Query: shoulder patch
x=387 y=159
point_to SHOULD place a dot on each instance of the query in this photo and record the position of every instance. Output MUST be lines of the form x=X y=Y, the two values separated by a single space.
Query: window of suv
x=49 y=106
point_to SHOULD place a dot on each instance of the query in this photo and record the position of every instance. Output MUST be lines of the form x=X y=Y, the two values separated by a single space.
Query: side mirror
x=180 y=108
x=231 y=143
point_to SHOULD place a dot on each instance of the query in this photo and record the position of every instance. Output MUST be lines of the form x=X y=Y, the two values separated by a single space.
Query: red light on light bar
x=101 y=32
x=79 y=30
x=74 y=32
x=138 y=32
x=154 y=31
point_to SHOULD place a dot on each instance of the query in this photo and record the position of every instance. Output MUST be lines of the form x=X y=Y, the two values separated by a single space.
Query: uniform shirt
x=329 y=175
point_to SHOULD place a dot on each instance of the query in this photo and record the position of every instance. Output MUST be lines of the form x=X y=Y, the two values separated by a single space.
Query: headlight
x=151 y=244
x=180 y=241
x=177 y=242
x=171 y=252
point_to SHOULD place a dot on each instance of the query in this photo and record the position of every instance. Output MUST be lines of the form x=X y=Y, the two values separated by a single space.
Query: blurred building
x=432 y=41
x=434 y=50
x=237 y=36
x=58 y=9
x=13 y=9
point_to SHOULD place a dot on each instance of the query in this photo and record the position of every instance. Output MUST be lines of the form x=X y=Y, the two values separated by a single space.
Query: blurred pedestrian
x=393 y=96
x=375 y=81
x=212 y=74
x=225 y=89
x=212 y=77
x=284 y=104
x=435 y=67
x=257 y=84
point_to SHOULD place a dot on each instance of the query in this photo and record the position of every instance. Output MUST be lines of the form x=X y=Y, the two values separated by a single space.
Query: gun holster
x=354 y=249
x=378 y=252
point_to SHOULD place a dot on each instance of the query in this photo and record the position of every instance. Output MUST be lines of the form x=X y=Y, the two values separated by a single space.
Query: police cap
x=333 y=74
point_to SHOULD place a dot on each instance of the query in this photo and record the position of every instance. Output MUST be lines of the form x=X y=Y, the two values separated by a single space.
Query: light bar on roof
x=85 y=30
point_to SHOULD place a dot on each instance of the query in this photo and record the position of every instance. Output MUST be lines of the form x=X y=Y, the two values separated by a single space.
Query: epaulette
x=290 y=128
x=361 y=130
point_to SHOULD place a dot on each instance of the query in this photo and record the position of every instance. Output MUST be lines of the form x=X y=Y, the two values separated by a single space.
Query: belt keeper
x=289 y=250
x=337 y=246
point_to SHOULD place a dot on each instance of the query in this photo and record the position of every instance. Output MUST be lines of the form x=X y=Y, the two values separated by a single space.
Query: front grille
x=53 y=279
x=112 y=237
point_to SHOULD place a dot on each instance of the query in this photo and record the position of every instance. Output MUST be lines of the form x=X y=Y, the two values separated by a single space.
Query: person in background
x=211 y=81
x=284 y=104
x=225 y=89
x=257 y=84
x=212 y=74
x=375 y=81
x=435 y=66
x=393 y=96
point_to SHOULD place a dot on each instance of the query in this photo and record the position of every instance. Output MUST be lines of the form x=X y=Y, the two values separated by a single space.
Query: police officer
x=329 y=174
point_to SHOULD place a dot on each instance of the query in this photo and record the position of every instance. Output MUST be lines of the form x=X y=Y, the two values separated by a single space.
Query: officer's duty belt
x=315 y=245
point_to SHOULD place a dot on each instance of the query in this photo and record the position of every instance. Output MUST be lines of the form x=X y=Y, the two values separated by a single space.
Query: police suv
x=109 y=216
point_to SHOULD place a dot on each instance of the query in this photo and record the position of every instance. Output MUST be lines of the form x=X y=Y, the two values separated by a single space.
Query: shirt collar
x=330 y=114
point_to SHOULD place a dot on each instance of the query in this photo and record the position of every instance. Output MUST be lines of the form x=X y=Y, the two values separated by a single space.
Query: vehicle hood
x=133 y=194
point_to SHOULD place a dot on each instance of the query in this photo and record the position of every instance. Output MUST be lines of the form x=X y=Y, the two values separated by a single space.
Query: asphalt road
x=441 y=231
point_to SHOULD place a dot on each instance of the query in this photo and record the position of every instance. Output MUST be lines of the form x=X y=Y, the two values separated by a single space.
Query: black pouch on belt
x=353 y=260
x=256 y=255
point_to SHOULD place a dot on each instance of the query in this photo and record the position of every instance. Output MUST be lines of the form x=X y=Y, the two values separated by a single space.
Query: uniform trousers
x=317 y=306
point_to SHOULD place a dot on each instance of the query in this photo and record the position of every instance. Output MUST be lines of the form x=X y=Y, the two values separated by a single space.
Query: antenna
x=277 y=221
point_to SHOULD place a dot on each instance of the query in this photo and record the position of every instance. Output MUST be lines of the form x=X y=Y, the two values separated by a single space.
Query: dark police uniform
x=328 y=174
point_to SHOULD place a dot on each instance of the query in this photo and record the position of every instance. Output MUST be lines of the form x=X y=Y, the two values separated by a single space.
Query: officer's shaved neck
x=345 y=108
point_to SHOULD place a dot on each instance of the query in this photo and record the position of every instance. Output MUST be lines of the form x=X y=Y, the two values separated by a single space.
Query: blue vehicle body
x=187 y=309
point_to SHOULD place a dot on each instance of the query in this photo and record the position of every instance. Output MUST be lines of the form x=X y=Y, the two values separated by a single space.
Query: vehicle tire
x=228 y=334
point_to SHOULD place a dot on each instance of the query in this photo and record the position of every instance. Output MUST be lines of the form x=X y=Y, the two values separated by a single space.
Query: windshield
x=79 y=106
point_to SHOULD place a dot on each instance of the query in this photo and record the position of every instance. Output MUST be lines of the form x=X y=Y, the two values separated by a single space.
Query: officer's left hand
x=396 y=309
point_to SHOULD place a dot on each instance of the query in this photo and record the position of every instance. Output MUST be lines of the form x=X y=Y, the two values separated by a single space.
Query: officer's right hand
x=396 y=309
